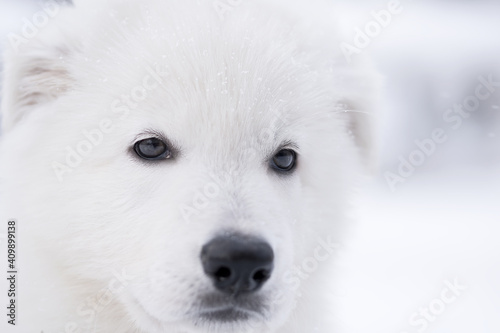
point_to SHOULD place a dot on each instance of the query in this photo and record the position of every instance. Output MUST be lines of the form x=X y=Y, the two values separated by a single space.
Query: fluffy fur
x=111 y=243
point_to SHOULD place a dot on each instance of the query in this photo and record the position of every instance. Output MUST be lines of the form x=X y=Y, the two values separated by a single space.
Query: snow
x=438 y=228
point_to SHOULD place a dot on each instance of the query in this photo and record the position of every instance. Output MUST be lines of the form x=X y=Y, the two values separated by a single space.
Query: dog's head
x=209 y=159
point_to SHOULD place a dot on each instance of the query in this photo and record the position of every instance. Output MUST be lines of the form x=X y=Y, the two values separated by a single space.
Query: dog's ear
x=360 y=105
x=360 y=126
x=32 y=78
x=35 y=73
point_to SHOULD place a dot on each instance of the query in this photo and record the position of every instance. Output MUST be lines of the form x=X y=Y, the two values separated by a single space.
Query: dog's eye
x=152 y=149
x=284 y=160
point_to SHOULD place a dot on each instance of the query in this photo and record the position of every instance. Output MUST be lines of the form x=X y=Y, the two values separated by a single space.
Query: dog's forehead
x=222 y=83
x=230 y=121
x=238 y=83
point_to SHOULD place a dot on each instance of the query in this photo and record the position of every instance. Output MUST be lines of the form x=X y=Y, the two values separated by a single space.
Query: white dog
x=180 y=166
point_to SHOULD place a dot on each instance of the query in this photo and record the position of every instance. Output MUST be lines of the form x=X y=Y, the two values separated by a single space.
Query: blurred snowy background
x=431 y=216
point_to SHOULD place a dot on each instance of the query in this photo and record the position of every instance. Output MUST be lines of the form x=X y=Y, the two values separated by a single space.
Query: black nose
x=237 y=263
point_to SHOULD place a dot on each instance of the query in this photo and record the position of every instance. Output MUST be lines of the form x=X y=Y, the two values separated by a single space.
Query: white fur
x=224 y=80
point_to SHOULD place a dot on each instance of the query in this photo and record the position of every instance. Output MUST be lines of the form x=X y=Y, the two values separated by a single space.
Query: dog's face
x=208 y=166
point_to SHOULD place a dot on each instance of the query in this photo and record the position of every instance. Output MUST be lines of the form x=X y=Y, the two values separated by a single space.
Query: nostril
x=261 y=275
x=222 y=273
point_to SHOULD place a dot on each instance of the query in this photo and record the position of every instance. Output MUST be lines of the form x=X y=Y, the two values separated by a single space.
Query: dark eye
x=284 y=160
x=152 y=149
